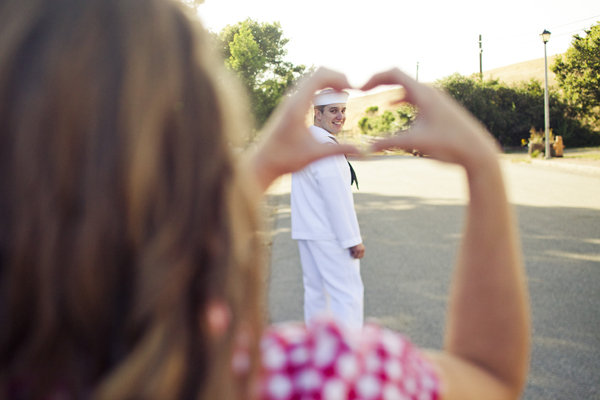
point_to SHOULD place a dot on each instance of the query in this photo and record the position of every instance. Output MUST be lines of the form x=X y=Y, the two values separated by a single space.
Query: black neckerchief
x=353 y=178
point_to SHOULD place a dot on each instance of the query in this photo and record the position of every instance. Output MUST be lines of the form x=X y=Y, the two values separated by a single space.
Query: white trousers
x=332 y=282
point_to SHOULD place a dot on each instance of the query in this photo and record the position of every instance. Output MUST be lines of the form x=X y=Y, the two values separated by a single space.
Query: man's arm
x=336 y=194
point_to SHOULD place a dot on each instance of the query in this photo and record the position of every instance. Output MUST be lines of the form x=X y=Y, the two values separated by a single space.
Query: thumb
x=327 y=150
x=400 y=141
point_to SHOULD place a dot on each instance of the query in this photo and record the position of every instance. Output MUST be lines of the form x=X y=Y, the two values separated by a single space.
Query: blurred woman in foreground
x=130 y=266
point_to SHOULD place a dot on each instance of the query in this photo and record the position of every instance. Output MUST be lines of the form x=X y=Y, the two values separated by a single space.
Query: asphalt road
x=410 y=211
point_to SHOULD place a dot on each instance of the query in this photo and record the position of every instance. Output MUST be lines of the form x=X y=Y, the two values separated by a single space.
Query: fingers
x=400 y=141
x=322 y=78
x=389 y=77
x=295 y=106
x=326 y=150
x=415 y=92
x=407 y=140
x=347 y=149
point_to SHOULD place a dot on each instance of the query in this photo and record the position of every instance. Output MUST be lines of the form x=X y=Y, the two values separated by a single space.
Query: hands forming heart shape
x=443 y=129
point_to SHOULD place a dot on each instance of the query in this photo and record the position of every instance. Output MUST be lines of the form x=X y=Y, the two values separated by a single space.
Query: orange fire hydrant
x=558 y=146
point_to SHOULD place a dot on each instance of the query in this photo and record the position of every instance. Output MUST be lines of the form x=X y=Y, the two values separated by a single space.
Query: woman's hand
x=443 y=129
x=287 y=145
x=484 y=356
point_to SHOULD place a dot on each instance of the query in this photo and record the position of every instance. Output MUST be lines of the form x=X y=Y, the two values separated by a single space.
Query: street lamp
x=545 y=37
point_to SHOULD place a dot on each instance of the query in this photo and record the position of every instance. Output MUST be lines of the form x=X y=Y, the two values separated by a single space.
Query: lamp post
x=545 y=37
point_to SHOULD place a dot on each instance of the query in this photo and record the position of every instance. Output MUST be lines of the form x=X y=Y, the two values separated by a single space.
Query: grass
x=582 y=153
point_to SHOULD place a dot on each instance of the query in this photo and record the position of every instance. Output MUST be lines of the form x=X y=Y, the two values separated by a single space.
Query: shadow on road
x=411 y=246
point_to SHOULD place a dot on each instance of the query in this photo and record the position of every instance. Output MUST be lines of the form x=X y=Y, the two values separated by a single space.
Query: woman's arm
x=488 y=321
x=486 y=351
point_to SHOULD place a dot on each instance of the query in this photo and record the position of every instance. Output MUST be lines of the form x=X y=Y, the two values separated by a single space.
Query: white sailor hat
x=330 y=96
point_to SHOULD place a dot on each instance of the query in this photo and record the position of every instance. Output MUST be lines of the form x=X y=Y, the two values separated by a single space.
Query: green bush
x=578 y=75
x=386 y=123
x=372 y=110
x=509 y=112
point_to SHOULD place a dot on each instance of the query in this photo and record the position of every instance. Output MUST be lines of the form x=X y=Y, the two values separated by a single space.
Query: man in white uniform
x=324 y=223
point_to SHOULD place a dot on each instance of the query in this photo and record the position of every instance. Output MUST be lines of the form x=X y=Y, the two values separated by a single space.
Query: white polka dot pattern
x=322 y=362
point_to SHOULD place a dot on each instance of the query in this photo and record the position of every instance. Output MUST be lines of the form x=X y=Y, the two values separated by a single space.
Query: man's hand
x=357 y=251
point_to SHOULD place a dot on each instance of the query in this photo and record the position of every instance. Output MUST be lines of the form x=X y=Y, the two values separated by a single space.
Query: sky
x=432 y=38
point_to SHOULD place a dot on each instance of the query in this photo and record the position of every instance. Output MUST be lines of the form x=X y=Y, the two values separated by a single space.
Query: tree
x=509 y=112
x=578 y=75
x=255 y=52
x=387 y=123
x=245 y=57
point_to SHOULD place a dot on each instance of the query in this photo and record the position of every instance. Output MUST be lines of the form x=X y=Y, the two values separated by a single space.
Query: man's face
x=332 y=118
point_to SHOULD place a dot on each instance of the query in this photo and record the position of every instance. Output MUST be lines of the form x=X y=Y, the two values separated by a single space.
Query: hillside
x=357 y=105
x=524 y=71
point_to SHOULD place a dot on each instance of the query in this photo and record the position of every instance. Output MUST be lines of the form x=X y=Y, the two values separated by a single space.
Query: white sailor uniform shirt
x=321 y=199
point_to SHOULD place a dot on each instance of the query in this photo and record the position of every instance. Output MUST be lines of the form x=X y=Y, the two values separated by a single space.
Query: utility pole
x=417 y=71
x=480 y=60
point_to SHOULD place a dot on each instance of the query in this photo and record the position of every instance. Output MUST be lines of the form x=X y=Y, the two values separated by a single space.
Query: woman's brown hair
x=122 y=213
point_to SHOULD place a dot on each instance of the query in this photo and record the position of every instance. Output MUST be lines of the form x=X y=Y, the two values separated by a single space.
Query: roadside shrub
x=388 y=122
x=509 y=112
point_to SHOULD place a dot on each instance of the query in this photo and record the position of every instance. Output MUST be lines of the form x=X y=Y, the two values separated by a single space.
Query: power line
x=560 y=34
x=553 y=29
x=574 y=22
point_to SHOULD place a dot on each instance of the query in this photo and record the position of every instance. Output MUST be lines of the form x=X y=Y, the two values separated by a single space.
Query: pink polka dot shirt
x=324 y=362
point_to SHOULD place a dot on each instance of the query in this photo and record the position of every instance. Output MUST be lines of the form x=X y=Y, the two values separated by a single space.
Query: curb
x=569 y=166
